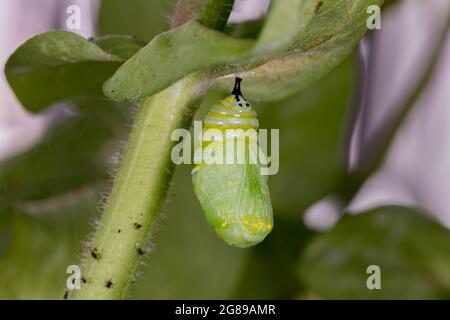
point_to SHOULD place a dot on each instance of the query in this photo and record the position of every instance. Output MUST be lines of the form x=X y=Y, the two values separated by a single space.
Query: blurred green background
x=50 y=197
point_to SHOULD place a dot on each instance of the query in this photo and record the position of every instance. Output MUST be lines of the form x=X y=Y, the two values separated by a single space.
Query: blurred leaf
x=58 y=65
x=33 y=264
x=189 y=260
x=69 y=157
x=120 y=46
x=6 y=219
x=411 y=250
x=286 y=20
x=270 y=271
x=336 y=22
x=246 y=29
x=390 y=2
x=171 y=56
x=311 y=138
x=141 y=18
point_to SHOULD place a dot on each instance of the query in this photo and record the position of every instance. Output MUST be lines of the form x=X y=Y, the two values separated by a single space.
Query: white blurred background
x=416 y=170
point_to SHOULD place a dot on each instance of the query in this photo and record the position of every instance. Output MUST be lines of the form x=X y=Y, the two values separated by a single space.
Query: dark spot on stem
x=66 y=295
x=95 y=254
x=140 y=251
x=319 y=5
x=109 y=284
x=119 y=231
x=83 y=279
x=137 y=225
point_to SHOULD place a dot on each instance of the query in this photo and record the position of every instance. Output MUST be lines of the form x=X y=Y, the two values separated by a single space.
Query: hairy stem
x=211 y=13
x=143 y=178
x=185 y=11
x=215 y=13
x=139 y=189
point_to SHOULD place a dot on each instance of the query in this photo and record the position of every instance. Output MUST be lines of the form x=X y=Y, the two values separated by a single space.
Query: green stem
x=215 y=13
x=143 y=178
x=211 y=13
x=185 y=11
x=139 y=189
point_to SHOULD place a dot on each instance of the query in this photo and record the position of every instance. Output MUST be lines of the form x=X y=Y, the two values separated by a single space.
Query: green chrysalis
x=235 y=197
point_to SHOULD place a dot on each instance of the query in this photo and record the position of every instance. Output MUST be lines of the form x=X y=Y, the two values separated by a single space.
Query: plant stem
x=143 y=178
x=215 y=13
x=139 y=189
x=211 y=13
x=185 y=11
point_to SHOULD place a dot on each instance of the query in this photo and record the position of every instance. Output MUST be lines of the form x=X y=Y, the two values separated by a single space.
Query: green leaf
x=316 y=45
x=171 y=56
x=411 y=249
x=34 y=260
x=140 y=18
x=326 y=40
x=58 y=65
x=71 y=156
x=336 y=20
x=270 y=270
x=311 y=140
x=194 y=47
x=286 y=20
x=6 y=219
x=248 y=29
x=189 y=260
x=120 y=46
x=47 y=197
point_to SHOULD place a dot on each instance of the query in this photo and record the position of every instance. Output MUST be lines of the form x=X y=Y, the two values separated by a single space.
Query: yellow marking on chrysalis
x=230 y=99
x=225 y=106
x=228 y=126
x=243 y=115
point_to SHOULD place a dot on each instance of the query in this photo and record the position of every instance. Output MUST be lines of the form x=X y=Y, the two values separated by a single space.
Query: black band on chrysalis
x=237 y=88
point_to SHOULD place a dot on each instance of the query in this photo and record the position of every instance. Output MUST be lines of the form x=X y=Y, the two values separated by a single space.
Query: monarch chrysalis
x=235 y=197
